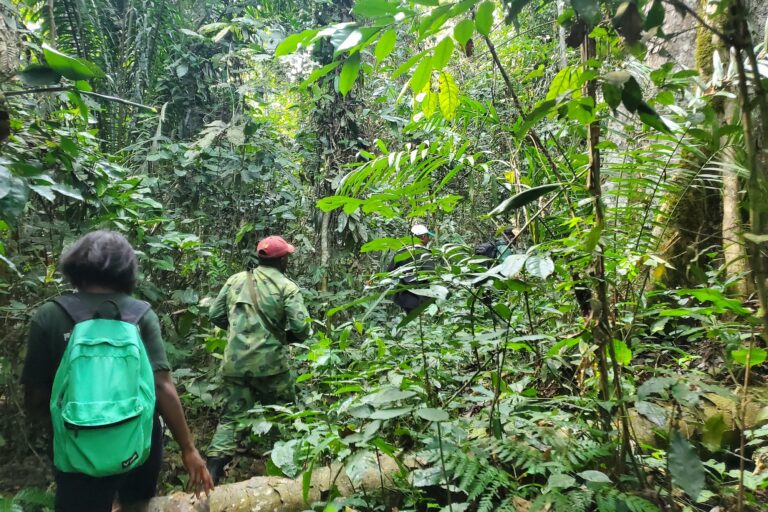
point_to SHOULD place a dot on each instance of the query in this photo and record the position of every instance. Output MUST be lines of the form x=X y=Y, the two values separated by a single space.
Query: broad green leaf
x=755 y=355
x=389 y=395
x=560 y=481
x=421 y=75
x=649 y=117
x=539 y=265
x=358 y=465
x=388 y=414
x=448 y=96
x=68 y=191
x=655 y=413
x=5 y=181
x=408 y=64
x=597 y=477
x=319 y=73
x=352 y=40
x=712 y=434
x=463 y=31
x=564 y=82
x=429 y=104
x=484 y=18
x=588 y=10
x=292 y=42
x=513 y=265
x=523 y=198
x=284 y=457
x=717 y=298
x=339 y=33
x=513 y=8
x=655 y=16
x=631 y=94
x=623 y=353
x=70 y=67
x=655 y=386
x=430 y=414
x=684 y=465
x=611 y=95
x=374 y=8
x=442 y=54
x=756 y=239
x=37 y=75
x=382 y=244
x=349 y=72
x=385 y=45
x=541 y=111
x=12 y=204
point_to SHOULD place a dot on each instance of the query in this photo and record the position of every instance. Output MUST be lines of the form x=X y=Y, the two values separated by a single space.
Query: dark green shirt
x=49 y=332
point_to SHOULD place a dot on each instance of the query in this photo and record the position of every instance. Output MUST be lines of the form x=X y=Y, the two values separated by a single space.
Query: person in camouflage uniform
x=262 y=311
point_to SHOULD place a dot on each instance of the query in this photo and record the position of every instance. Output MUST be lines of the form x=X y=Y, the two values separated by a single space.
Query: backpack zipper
x=72 y=426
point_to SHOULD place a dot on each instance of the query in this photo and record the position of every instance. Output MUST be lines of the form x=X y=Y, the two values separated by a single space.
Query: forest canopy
x=586 y=181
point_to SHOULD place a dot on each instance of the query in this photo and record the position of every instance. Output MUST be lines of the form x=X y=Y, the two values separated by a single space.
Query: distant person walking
x=96 y=362
x=412 y=259
x=262 y=311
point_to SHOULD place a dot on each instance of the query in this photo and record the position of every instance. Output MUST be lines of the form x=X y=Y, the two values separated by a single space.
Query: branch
x=86 y=93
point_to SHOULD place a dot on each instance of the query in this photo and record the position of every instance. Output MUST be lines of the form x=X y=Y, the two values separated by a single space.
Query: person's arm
x=296 y=316
x=218 y=311
x=169 y=406
x=37 y=375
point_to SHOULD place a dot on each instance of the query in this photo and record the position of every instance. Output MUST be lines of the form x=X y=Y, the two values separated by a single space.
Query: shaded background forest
x=614 y=346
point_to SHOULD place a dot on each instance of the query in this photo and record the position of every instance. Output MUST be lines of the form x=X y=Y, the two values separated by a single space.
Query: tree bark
x=733 y=247
x=325 y=255
x=270 y=493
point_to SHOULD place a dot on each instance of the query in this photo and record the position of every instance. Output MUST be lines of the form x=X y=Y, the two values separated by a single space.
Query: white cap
x=419 y=230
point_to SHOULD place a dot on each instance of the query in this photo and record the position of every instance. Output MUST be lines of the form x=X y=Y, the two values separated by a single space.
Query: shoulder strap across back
x=79 y=311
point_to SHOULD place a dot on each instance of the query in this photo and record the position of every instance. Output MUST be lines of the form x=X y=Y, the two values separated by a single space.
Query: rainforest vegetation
x=614 y=361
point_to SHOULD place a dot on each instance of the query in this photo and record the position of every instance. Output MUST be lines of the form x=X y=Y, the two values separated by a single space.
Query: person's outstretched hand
x=200 y=480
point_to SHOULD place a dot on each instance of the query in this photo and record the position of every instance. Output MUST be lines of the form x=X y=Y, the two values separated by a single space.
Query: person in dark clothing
x=103 y=267
x=412 y=259
x=501 y=248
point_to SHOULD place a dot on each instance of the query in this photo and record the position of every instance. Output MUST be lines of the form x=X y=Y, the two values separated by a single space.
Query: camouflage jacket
x=258 y=333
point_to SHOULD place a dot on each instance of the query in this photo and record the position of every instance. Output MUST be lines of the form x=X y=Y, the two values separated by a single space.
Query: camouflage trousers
x=243 y=393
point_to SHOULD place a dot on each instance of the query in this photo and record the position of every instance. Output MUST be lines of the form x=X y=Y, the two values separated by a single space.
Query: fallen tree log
x=270 y=493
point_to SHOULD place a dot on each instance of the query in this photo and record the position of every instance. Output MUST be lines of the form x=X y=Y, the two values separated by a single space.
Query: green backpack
x=103 y=396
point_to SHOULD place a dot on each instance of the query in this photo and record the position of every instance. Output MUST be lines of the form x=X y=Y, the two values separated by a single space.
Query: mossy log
x=270 y=493
x=693 y=419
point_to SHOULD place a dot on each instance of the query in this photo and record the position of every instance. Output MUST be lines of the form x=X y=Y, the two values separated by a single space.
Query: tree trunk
x=733 y=247
x=562 y=60
x=325 y=255
x=270 y=493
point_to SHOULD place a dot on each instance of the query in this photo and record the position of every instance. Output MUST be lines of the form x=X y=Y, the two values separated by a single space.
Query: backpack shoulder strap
x=78 y=311
x=74 y=307
x=134 y=311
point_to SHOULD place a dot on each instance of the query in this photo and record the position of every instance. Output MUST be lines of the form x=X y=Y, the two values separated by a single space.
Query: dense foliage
x=615 y=361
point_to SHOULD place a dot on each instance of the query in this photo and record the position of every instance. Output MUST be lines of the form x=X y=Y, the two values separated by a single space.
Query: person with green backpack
x=96 y=359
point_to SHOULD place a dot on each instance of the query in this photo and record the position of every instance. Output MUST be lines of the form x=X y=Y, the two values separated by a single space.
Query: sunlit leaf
x=442 y=54
x=448 y=96
x=385 y=45
x=484 y=18
x=349 y=72
x=463 y=31
x=752 y=356
x=71 y=67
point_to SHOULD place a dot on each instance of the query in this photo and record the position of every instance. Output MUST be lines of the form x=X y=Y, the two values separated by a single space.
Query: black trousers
x=76 y=492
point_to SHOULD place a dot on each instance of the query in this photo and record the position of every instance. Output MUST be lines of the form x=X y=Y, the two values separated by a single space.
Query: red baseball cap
x=274 y=247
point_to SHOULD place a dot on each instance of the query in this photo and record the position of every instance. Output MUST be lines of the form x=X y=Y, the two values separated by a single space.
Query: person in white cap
x=412 y=259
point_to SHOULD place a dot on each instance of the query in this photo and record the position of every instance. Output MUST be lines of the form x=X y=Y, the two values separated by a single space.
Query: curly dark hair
x=102 y=258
